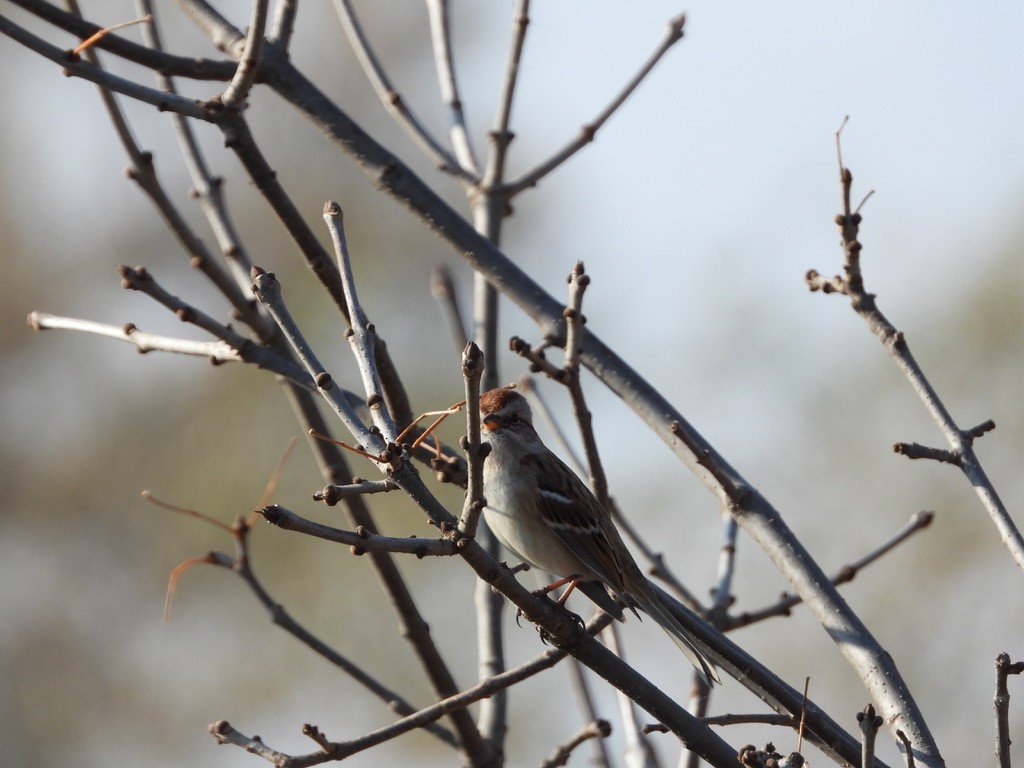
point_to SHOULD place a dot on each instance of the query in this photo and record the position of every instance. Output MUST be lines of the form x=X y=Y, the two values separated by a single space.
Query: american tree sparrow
x=547 y=517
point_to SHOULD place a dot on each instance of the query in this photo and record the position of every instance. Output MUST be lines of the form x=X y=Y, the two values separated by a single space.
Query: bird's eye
x=513 y=419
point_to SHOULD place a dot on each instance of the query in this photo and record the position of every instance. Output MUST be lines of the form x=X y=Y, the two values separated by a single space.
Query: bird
x=546 y=516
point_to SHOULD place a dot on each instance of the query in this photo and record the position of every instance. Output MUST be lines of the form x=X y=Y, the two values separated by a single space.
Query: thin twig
x=960 y=441
x=332 y=494
x=225 y=733
x=722 y=593
x=196 y=68
x=785 y=721
x=217 y=352
x=224 y=35
x=598 y=729
x=472 y=372
x=283 y=24
x=411 y=622
x=600 y=757
x=362 y=334
x=908 y=748
x=441 y=42
x=700 y=698
x=143 y=172
x=673 y=34
x=245 y=75
x=638 y=750
x=241 y=565
x=918 y=522
x=96 y=37
x=869 y=724
x=443 y=289
x=500 y=137
x=1001 y=706
x=392 y=99
x=360 y=540
x=268 y=291
x=208 y=192
x=139 y=279
x=578 y=281
x=74 y=67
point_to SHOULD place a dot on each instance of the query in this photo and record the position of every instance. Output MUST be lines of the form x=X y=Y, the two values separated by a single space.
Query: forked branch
x=960 y=441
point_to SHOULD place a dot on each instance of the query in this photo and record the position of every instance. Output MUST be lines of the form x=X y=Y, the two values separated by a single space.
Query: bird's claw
x=547 y=638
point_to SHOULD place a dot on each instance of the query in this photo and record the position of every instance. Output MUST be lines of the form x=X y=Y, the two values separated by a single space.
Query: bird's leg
x=570 y=580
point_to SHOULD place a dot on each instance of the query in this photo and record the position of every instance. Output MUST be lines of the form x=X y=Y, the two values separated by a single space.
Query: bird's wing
x=587 y=531
x=578 y=520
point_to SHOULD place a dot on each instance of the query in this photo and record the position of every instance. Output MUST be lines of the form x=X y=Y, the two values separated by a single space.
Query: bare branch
x=673 y=34
x=74 y=67
x=360 y=540
x=700 y=697
x=918 y=451
x=143 y=172
x=224 y=733
x=500 y=137
x=139 y=279
x=392 y=99
x=187 y=66
x=219 y=351
x=245 y=75
x=869 y=724
x=362 y=334
x=268 y=291
x=638 y=750
x=1001 y=705
x=440 y=38
x=961 y=451
x=782 y=720
x=598 y=729
x=918 y=522
x=472 y=371
x=241 y=565
x=821 y=729
x=758 y=517
x=332 y=494
x=93 y=39
x=208 y=191
x=412 y=625
x=908 y=748
x=283 y=24
x=599 y=758
x=221 y=32
x=443 y=289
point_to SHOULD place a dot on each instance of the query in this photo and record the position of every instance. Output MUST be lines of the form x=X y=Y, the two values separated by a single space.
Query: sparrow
x=542 y=512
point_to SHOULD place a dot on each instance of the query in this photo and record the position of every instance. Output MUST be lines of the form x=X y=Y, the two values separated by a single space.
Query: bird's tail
x=652 y=604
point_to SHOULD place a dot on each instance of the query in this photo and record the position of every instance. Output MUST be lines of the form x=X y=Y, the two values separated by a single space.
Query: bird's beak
x=490 y=422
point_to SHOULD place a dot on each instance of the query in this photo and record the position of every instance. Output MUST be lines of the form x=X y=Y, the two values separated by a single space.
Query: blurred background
x=697 y=212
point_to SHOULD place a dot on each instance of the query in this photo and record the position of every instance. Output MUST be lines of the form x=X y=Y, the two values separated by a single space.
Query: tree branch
x=960 y=441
